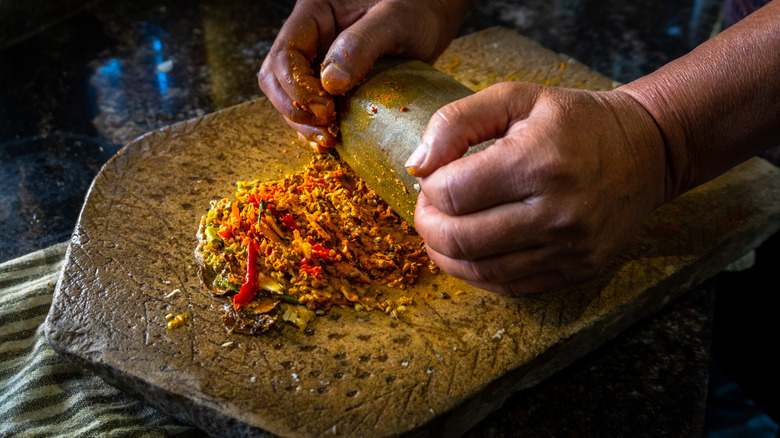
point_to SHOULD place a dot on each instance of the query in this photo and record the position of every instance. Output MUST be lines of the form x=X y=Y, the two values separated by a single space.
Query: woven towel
x=41 y=393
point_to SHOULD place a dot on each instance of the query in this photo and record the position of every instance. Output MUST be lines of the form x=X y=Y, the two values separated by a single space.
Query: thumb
x=469 y=121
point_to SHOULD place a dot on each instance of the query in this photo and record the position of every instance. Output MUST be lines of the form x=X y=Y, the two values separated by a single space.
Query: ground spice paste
x=295 y=247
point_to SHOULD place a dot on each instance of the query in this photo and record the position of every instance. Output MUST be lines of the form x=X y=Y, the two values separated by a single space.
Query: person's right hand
x=352 y=34
x=571 y=177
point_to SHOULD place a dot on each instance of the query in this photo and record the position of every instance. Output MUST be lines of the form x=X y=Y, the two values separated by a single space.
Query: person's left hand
x=569 y=180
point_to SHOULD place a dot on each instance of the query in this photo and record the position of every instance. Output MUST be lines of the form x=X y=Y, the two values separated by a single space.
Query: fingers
x=352 y=55
x=503 y=258
x=356 y=34
x=298 y=80
x=502 y=229
x=318 y=138
x=281 y=100
x=562 y=190
x=510 y=170
x=536 y=269
x=305 y=90
x=286 y=76
x=469 y=121
x=390 y=28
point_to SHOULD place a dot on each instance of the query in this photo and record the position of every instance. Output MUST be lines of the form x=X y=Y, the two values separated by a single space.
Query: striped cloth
x=41 y=393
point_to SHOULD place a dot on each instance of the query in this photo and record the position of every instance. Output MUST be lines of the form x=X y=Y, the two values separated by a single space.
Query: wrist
x=653 y=105
x=650 y=150
x=718 y=105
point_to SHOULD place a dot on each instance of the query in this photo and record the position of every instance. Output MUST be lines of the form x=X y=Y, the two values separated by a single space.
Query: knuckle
x=449 y=114
x=508 y=90
x=409 y=15
x=575 y=225
x=550 y=170
x=447 y=240
x=586 y=267
x=347 y=43
x=399 y=9
x=482 y=272
x=444 y=190
x=447 y=194
x=264 y=75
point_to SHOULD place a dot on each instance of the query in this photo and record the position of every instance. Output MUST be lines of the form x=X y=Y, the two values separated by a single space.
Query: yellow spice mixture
x=295 y=247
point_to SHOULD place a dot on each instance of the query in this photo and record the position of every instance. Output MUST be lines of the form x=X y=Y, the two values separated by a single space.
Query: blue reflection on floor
x=731 y=414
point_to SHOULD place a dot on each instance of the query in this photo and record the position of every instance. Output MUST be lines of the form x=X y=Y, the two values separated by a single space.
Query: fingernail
x=319 y=110
x=334 y=79
x=417 y=159
x=318 y=148
x=326 y=140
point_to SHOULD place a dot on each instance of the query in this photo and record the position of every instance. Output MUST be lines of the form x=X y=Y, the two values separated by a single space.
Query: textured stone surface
x=438 y=370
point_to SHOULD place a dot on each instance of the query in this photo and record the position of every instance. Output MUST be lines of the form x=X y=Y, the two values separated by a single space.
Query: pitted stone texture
x=437 y=371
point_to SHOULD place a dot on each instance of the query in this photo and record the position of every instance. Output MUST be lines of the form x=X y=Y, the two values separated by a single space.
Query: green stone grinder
x=383 y=120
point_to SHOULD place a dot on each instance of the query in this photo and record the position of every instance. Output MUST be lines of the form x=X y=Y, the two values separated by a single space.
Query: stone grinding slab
x=438 y=370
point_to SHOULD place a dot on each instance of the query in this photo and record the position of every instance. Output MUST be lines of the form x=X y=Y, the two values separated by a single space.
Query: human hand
x=352 y=34
x=569 y=180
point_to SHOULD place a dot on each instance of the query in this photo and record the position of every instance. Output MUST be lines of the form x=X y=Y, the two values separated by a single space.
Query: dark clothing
x=739 y=9
x=745 y=327
x=736 y=10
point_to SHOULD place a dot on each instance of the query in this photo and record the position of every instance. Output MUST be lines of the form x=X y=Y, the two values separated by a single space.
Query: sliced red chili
x=309 y=269
x=289 y=222
x=249 y=288
x=269 y=195
x=325 y=254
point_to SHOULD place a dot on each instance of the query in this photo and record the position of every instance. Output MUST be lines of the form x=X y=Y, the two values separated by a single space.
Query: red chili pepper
x=255 y=200
x=269 y=195
x=319 y=251
x=324 y=253
x=309 y=269
x=289 y=222
x=249 y=288
x=225 y=234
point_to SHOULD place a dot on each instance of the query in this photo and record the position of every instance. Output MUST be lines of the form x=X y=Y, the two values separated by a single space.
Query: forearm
x=720 y=104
